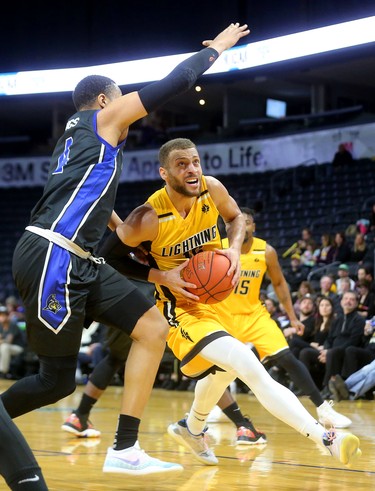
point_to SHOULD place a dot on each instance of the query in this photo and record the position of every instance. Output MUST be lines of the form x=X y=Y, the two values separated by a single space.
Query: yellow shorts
x=192 y=328
x=259 y=329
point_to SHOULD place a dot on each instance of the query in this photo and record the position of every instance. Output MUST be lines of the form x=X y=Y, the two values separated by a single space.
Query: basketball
x=208 y=270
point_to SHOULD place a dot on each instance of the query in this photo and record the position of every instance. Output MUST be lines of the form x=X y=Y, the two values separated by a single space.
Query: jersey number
x=64 y=157
x=243 y=287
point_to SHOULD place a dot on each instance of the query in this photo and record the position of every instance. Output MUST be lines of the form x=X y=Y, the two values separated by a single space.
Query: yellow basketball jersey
x=245 y=298
x=180 y=238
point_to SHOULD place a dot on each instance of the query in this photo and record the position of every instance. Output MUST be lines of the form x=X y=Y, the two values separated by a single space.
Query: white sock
x=207 y=392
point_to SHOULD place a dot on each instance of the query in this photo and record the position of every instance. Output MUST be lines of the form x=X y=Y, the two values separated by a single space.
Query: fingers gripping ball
x=208 y=270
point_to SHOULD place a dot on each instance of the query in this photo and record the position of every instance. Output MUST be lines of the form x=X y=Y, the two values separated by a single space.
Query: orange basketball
x=208 y=270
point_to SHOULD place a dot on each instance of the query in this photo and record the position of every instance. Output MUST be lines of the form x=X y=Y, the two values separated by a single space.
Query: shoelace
x=329 y=436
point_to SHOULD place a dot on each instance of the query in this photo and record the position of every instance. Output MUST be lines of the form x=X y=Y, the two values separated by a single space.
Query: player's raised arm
x=121 y=112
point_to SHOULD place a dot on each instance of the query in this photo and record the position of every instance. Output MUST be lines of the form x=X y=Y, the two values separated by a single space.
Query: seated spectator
x=304 y=288
x=299 y=246
x=11 y=341
x=360 y=384
x=341 y=158
x=324 y=253
x=296 y=340
x=295 y=273
x=343 y=272
x=309 y=353
x=272 y=307
x=358 y=369
x=308 y=257
x=366 y=273
x=347 y=330
x=366 y=305
x=363 y=225
x=328 y=290
x=357 y=357
x=341 y=250
x=14 y=311
x=359 y=248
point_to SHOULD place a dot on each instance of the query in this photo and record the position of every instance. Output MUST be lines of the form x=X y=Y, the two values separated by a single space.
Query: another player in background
x=251 y=323
x=18 y=465
x=63 y=285
x=176 y=222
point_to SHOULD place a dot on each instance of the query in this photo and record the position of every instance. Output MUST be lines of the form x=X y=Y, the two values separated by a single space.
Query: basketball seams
x=206 y=290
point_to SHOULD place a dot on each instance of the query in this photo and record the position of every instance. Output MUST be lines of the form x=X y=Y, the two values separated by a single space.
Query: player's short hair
x=176 y=144
x=247 y=211
x=88 y=89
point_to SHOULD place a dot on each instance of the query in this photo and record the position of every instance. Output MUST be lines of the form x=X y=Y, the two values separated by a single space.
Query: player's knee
x=57 y=377
x=151 y=328
x=58 y=384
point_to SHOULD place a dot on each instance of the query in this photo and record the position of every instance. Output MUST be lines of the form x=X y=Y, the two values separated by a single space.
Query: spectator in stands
x=307 y=317
x=305 y=288
x=309 y=352
x=272 y=307
x=343 y=272
x=14 y=310
x=360 y=384
x=356 y=369
x=295 y=273
x=324 y=254
x=366 y=273
x=347 y=330
x=359 y=249
x=283 y=317
x=308 y=256
x=328 y=290
x=366 y=304
x=341 y=158
x=341 y=250
x=345 y=286
x=11 y=341
x=299 y=246
x=357 y=357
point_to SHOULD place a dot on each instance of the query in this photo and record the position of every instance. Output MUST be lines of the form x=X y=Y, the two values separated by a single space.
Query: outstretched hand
x=227 y=38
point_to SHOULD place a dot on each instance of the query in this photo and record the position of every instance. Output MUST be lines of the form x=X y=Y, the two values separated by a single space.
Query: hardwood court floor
x=288 y=462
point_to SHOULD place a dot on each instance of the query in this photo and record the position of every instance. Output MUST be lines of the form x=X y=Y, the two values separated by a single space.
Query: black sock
x=300 y=376
x=28 y=480
x=127 y=432
x=233 y=412
x=85 y=406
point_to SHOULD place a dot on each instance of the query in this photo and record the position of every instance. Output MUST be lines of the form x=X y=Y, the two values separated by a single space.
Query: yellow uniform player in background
x=247 y=319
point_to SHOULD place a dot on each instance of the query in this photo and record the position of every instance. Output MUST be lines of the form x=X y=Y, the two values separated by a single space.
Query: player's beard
x=181 y=189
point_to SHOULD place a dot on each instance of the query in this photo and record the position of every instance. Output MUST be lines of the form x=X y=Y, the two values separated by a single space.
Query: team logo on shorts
x=185 y=335
x=53 y=305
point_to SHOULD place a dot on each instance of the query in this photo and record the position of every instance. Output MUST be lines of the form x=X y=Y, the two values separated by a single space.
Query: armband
x=178 y=81
x=117 y=254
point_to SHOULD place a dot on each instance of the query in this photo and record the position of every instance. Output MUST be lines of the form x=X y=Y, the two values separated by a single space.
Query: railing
x=323 y=270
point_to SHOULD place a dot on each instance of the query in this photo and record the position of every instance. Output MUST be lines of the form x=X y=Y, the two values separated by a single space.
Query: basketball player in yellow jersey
x=248 y=320
x=176 y=222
